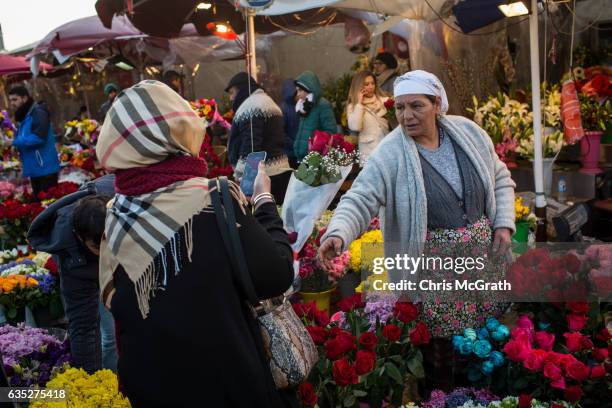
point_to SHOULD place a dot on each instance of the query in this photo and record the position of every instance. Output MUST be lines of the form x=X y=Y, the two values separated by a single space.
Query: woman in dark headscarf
x=195 y=339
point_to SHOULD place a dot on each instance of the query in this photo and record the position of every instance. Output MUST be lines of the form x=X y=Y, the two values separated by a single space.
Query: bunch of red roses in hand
x=360 y=361
x=326 y=154
x=573 y=366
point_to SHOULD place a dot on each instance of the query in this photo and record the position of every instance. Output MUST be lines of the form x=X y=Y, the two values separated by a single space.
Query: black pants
x=43 y=183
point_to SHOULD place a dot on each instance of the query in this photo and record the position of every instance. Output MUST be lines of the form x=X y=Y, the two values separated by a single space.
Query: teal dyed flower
x=482 y=348
x=497 y=358
x=543 y=325
x=458 y=341
x=492 y=324
x=483 y=334
x=470 y=334
x=487 y=367
x=501 y=333
x=466 y=348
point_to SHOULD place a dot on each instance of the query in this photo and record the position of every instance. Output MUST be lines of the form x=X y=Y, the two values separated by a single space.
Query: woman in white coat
x=366 y=113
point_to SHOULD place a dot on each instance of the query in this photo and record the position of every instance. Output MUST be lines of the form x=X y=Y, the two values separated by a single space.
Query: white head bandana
x=421 y=83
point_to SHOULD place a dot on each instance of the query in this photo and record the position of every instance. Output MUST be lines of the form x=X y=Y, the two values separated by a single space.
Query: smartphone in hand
x=250 y=172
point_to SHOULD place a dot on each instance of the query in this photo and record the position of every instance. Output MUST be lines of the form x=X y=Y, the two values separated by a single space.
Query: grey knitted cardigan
x=391 y=185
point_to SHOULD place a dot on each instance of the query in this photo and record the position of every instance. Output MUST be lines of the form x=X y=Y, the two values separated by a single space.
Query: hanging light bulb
x=222 y=30
x=203 y=6
x=514 y=9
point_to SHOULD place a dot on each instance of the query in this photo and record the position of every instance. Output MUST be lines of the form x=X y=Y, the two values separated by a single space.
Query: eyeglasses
x=377 y=63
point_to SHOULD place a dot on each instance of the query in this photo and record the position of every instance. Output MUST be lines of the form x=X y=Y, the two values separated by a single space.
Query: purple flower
x=36 y=352
x=379 y=309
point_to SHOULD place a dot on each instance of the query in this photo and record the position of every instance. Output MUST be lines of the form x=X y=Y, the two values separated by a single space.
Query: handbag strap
x=226 y=221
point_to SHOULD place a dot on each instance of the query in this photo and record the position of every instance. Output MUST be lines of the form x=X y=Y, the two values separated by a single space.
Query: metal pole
x=538 y=172
x=251 y=44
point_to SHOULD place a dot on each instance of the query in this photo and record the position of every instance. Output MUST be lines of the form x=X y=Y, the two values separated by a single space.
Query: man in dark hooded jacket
x=257 y=126
x=92 y=346
x=291 y=118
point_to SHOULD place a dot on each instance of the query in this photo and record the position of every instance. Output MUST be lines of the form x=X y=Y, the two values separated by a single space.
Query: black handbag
x=287 y=344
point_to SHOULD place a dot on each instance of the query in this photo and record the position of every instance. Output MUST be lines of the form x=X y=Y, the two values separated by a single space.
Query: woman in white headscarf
x=435 y=179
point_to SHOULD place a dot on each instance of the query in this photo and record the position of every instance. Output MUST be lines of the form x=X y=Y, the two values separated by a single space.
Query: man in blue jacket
x=35 y=140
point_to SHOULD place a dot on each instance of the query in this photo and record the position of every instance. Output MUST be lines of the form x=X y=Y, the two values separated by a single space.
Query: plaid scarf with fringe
x=147 y=124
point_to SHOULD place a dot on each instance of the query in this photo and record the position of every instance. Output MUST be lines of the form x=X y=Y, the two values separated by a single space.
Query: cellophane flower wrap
x=314 y=185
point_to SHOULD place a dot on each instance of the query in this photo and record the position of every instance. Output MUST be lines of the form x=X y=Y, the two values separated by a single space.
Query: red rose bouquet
x=574 y=366
x=364 y=360
x=327 y=153
x=316 y=182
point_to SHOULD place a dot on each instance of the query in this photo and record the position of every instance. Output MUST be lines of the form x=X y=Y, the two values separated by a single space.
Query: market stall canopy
x=79 y=35
x=413 y=9
x=11 y=64
x=162 y=18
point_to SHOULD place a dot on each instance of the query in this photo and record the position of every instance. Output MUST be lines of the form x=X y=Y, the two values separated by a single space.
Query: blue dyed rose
x=474 y=374
x=482 y=348
x=501 y=333
x=543 y=325
x=470 y=334
x=487 y=367
x=483 y=334
x=458 y=341
x=466 y=348
x=497 y=358
x=492 y=324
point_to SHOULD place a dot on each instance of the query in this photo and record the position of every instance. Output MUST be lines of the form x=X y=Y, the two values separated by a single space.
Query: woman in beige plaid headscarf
x=183 y=325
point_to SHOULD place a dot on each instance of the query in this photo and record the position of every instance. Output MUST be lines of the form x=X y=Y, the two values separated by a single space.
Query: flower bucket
x=322 y=299
x=589 y=152
x=522 y=232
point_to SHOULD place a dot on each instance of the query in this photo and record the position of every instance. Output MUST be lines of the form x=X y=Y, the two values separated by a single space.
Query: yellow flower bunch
x=521 y=211
x=89 y=126
x=355 y=247
x=100 y=389
x=11 y=282
x=71 y=124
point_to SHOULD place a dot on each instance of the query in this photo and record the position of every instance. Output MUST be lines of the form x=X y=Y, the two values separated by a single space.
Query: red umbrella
x=10 y=64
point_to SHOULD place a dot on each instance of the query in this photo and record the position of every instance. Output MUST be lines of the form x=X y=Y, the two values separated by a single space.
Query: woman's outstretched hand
x=329 y=249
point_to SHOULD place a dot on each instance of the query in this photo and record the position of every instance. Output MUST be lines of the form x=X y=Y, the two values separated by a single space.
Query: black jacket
x=260 y=115
x=52 y=232
x=199 y=334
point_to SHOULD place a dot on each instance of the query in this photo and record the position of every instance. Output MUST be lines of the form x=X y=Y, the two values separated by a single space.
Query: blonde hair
x=357 y=83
